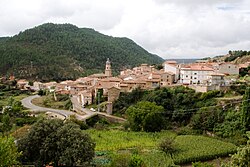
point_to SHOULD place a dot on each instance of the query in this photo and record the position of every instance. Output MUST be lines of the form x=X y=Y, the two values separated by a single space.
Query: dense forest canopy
x=64 y=51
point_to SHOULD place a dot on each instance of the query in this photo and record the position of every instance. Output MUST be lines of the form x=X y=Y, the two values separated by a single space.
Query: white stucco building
x=195 y=74
x=172 y=67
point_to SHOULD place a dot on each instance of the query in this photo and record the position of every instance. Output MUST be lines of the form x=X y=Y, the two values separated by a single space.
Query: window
x=186 y=76
x=229 y=66
x=195 y=73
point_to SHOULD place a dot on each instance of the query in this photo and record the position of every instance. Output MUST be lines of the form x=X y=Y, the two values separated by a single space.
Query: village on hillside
x=202 y=76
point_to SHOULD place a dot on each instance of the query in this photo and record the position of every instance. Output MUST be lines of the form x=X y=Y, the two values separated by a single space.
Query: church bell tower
x=108 y=71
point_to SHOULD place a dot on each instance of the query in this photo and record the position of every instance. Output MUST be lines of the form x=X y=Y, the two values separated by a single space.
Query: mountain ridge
x=64 y=51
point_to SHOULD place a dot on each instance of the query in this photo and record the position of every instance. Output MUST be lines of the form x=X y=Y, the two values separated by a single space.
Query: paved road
x=79 y=108
x=26 y=102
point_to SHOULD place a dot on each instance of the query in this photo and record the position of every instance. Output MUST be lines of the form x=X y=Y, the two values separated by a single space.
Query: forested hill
x=64 y=51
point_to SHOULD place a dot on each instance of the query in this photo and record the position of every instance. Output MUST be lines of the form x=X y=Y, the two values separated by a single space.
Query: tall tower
x=108 y=71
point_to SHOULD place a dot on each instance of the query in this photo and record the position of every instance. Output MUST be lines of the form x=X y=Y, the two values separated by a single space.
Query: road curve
x=79 y=108
x=26 y=102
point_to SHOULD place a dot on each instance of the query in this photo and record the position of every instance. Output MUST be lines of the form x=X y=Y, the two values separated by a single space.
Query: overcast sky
x=168 y=28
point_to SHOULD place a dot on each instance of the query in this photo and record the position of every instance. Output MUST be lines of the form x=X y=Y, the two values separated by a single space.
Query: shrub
x=167 y=145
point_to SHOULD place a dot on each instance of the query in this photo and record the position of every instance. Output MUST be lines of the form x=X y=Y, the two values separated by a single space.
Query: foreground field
x=190 y=148
x=114 y=140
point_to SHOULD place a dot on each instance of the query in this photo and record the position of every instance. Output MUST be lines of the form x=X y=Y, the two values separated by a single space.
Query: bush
x=167 y=145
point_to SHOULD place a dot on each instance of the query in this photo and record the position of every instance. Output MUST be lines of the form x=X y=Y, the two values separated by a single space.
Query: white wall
x=193 y=77
x=173 y=69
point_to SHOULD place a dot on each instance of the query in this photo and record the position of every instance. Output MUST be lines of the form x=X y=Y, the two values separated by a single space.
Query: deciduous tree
x=53 y=141
x=145 y=116
x=8 y=152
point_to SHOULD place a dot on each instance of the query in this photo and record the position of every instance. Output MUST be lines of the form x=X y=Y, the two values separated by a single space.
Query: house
x=51 y=86
x=126 y=72
x=75 y=88
x=87 y=81
x=152 y=80
x=194 y=74
x=226 y=68
x=63 y=92
x=103 y=86
x=23 y=84
x=113 y=93
x=129 y=85
x=216 y=79
x=85 y=97
x=65 y=85
x=112 y=80
x=38 y=85
x=172 y=67
x=167 y=78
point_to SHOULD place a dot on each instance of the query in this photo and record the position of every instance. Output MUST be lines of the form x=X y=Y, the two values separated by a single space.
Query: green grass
x=113 y=140
x=48 y=101
x=190 y=148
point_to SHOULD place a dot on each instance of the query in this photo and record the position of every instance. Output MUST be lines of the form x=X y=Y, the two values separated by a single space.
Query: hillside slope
x=64 y=51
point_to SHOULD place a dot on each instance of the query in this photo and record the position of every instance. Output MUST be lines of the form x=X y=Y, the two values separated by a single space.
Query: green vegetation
x=117 y=140
x=241 y=158
x=143 y=116
x=8 y=152
x=187 y=111
x=246 y=110
x=236 y=54
x=199 y=164
x=14 y=116
x=64 y=51
x=188 y=148
x=197 y=148
x=57 y=142
x=61 y=101
x=179 y=103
